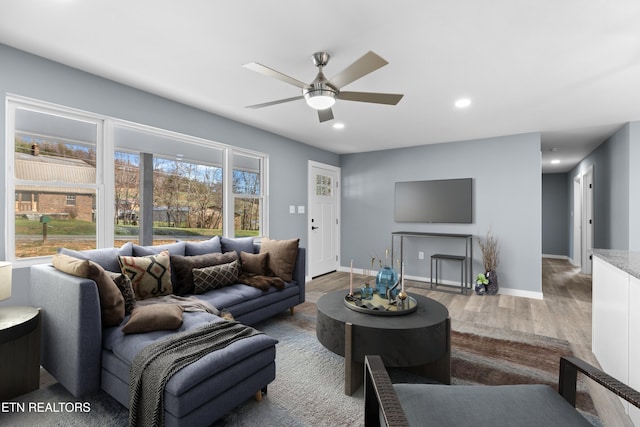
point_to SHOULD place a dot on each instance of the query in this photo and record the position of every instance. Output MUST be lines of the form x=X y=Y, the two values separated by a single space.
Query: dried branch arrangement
x=490 y=251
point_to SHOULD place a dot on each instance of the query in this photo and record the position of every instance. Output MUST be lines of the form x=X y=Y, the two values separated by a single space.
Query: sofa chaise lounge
x=84 y=355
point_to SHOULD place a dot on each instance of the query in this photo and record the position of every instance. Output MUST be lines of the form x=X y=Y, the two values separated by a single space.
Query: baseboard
x=563 y=257
x=520 y=293
x=502 y=290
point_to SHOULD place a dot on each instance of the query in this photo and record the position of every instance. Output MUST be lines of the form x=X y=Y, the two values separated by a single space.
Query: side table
x=19 y=351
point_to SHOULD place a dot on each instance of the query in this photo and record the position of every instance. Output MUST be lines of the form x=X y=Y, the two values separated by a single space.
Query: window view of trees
x=58 y=190
x=187 y=199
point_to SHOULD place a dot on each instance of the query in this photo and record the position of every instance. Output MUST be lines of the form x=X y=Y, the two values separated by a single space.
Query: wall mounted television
x=435 y=201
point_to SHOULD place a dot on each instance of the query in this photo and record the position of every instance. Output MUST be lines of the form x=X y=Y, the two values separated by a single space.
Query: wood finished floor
x=564 y=313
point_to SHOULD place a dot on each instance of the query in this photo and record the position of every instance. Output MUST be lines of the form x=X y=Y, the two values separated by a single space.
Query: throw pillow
x=176 y=248
x=154 y=317
x=150 y=275
x=111 y=303
x=205 y=247
x=106 y=257
x=214 y=277
x=111 y=300
x=183 y=266
x=237 y=244
x=255 y=263
x=282 y=256
x=71 y=265
x=123 y=283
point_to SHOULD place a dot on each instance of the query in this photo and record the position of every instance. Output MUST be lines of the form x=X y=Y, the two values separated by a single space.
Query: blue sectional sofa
x=85 y=356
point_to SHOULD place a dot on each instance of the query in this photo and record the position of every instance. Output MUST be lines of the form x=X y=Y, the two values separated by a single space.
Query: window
x=130 y=183
x=248 y=197
x=55 y=179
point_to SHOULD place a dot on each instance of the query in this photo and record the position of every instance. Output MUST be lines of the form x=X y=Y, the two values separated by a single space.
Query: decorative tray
x=379 y=306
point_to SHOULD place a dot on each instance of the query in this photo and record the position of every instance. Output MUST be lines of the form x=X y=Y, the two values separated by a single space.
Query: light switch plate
x=300 y=209
x=292 y=209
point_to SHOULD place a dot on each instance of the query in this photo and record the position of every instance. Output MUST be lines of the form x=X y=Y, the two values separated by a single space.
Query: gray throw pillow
x=204 y=247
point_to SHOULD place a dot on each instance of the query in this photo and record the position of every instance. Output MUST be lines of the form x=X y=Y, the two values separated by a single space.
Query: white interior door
x=323 y=218
x=577 y=221
x=587 y=222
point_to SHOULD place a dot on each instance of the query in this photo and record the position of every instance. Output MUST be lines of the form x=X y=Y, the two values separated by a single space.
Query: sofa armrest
x=71 y=327
x=569 y=368
x=380 y=400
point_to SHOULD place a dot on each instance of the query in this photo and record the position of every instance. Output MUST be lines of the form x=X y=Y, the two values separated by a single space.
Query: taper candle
x=351 y=279
x=402 y=272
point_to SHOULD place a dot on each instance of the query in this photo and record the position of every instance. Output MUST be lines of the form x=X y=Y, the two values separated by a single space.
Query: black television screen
x=445 y=200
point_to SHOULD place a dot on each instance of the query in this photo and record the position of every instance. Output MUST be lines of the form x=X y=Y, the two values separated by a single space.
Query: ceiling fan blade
x=325 y=115
x=375 y=97
x=279 y=101
x=366 y=64
x=270 y=72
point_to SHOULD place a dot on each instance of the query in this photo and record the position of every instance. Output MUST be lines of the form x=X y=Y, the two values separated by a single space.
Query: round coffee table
x=419 y=340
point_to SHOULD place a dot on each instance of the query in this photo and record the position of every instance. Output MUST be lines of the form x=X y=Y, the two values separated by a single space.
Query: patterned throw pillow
x=123 y=283
x=150 y=275
x=182 y=268
x=215 y=276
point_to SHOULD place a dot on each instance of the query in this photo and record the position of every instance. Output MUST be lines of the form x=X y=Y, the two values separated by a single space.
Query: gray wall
x=634 y=186
x=31 y=76
x=555 y=211
x=611 y=183
x=507 y=198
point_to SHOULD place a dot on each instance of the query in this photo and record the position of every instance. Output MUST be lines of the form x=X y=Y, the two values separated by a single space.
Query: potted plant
x=490 y=260
x=481 y=282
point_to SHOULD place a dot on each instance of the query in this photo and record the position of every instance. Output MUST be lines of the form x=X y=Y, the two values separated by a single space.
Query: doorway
x=583 y=220
x=324 y=218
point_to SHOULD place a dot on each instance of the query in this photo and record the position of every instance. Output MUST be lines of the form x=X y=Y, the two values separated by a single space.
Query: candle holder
x=366 y=293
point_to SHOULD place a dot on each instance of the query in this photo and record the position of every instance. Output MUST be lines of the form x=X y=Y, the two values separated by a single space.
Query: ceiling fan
x=321 y=93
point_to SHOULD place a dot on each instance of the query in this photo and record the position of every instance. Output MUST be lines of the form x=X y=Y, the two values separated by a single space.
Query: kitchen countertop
x=626 y=261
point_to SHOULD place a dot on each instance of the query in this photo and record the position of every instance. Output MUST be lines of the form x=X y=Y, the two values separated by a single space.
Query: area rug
x=482 y=355
x=309 y=387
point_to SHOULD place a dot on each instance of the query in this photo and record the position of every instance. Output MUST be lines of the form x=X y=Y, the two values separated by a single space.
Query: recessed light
x=338 y=125
x=463 y=103
x=555 y=161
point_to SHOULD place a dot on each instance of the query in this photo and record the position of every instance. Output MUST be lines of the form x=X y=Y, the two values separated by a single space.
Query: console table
x=468 y=248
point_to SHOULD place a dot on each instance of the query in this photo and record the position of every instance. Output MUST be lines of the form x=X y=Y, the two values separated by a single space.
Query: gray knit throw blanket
x=154 y=365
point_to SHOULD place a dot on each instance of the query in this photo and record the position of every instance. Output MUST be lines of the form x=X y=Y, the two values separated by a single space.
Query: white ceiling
x=569 y=69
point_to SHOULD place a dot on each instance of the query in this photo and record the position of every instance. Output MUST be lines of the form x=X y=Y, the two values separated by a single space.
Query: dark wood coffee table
x=419 y=341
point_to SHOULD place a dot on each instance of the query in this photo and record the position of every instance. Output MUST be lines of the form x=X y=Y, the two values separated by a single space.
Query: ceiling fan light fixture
x=320 y=99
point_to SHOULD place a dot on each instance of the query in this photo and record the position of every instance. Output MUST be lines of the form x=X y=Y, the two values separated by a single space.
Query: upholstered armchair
x=439 y=405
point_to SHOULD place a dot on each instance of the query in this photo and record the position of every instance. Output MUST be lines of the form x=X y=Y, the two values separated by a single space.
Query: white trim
x=551 y=256
x=520 y=293
x=501 y=291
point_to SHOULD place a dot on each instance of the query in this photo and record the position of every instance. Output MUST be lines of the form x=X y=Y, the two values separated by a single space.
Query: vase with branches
x=490 y=259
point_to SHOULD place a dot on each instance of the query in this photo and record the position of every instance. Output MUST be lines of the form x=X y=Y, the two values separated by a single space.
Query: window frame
x=12 y=105
x=105 y=175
